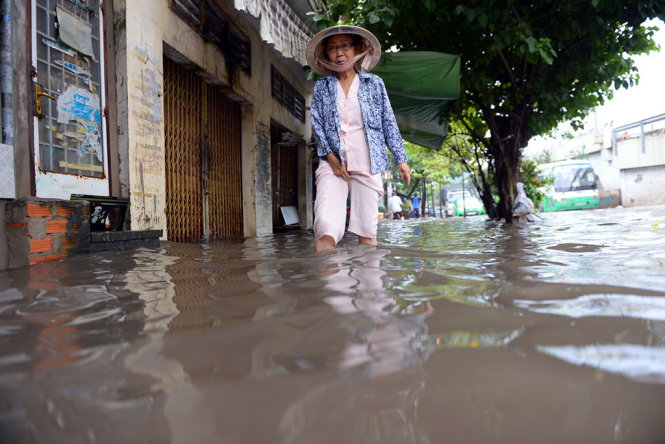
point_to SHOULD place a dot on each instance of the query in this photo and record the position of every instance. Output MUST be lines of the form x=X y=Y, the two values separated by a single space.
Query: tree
x=526 y=66
x=460 y=145
x=427 y=167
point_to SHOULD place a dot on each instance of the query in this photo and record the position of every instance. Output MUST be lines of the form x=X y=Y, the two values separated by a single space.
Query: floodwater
x=450 y=331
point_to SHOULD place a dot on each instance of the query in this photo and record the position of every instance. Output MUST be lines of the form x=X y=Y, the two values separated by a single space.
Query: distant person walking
x=415 y=204
x=396 y=206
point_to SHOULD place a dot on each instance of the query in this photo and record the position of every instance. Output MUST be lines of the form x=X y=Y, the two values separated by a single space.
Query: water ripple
x=608 y=305
x=638 y=362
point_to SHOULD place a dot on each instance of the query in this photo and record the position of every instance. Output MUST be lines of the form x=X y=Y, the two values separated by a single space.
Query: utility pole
x=463 y=197
x=440 y=201
x=431 y=192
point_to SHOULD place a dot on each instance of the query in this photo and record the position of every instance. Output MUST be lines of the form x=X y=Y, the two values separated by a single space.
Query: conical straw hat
x=315 y=49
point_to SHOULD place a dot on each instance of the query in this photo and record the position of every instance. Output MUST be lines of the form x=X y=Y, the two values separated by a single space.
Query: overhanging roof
x=421 y=85
x=279 y=26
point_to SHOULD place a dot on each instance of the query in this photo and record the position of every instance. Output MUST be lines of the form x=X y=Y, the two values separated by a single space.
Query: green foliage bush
x=533 y=184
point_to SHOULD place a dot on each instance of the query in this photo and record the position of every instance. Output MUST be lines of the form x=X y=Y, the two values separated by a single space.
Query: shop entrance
x=284 y=170
x=203 y=158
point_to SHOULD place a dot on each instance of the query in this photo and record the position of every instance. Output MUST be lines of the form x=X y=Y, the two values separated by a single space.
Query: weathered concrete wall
x=144 y=28
x=111 y=100
x=22 y=101
x=609 y=175
x=4 y=249
x=263 y=179
x=249 y=168
x=643 y=186
x=145 y=129
x=609 y=187
x=122 y=120
x=633 y=176
x=631 y=155
x=305 y=186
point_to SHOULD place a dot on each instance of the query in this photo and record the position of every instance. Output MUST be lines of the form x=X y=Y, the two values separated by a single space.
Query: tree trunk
x=508 y=135
x=431 y=198
x=413 y=189
x=505 y=182
x=488 y=202
x=506 y=159
x=423 y=199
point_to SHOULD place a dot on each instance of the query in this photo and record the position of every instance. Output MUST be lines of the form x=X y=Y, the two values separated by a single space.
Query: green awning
x=421 y=85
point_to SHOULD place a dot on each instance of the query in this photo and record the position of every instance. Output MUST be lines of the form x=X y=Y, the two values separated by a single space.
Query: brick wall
x=40 y=230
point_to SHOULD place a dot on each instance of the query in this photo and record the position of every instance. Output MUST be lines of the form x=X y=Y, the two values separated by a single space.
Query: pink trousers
x=330 y=206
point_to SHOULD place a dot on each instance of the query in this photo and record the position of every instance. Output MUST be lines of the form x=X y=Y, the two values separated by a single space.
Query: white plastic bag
x=523 y=208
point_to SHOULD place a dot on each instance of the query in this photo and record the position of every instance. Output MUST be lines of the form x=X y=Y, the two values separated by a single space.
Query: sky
x=646 y=99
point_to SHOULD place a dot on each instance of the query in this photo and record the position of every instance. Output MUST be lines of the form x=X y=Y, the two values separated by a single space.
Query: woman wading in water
x=353 y=123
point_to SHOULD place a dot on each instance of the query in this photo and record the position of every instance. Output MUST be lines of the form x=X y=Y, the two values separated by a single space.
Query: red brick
x=41 y=245
x=40 y=284
x=63 y=211
x=49 y=257
x=56 y=226
x=39 y=210
x=68 y=243
x=55 y=257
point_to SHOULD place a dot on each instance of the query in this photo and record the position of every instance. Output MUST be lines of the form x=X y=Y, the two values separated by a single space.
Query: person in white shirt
x=396 y=206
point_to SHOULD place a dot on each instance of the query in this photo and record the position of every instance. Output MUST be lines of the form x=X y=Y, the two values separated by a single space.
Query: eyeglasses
x=344 y=47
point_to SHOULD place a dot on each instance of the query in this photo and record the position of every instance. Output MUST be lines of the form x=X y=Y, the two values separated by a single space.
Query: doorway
x=203 y=158
x=284 y=172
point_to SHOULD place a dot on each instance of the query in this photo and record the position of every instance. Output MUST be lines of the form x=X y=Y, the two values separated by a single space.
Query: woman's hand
x=337 y=167
x=404 y=172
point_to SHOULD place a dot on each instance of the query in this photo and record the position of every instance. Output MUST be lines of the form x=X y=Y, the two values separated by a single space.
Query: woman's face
x=340 y=49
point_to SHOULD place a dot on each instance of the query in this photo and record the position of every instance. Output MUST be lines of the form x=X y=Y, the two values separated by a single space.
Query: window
x=286 y=94
x=217 y=29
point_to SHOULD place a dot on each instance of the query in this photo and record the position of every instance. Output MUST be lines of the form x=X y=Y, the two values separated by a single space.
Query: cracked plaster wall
x=141 y=30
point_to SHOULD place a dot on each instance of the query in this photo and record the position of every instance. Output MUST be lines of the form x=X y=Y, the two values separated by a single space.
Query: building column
x=305 y=185
x=263 y=180
x=141 y=117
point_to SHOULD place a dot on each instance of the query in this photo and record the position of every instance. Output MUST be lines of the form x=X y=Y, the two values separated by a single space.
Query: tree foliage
x=427 y=166
x=461 y=146
x=526 y=66
x=533 y=184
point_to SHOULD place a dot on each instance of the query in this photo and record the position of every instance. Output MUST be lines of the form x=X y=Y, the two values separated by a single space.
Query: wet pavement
x=454 y=330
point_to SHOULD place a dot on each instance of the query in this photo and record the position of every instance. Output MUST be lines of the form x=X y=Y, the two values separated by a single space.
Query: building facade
x=193 y=110
x=629 y=160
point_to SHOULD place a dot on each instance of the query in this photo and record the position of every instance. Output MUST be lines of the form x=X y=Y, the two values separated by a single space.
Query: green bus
x=575 y=186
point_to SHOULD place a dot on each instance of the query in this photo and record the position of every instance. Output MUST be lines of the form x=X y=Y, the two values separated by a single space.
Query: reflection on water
x=464 y=339
x=643 y=307
x=380 y=333
x=642 y=363
x=456 y=330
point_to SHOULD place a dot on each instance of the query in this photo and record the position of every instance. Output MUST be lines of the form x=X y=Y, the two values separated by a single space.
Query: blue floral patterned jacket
x=378 y=119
